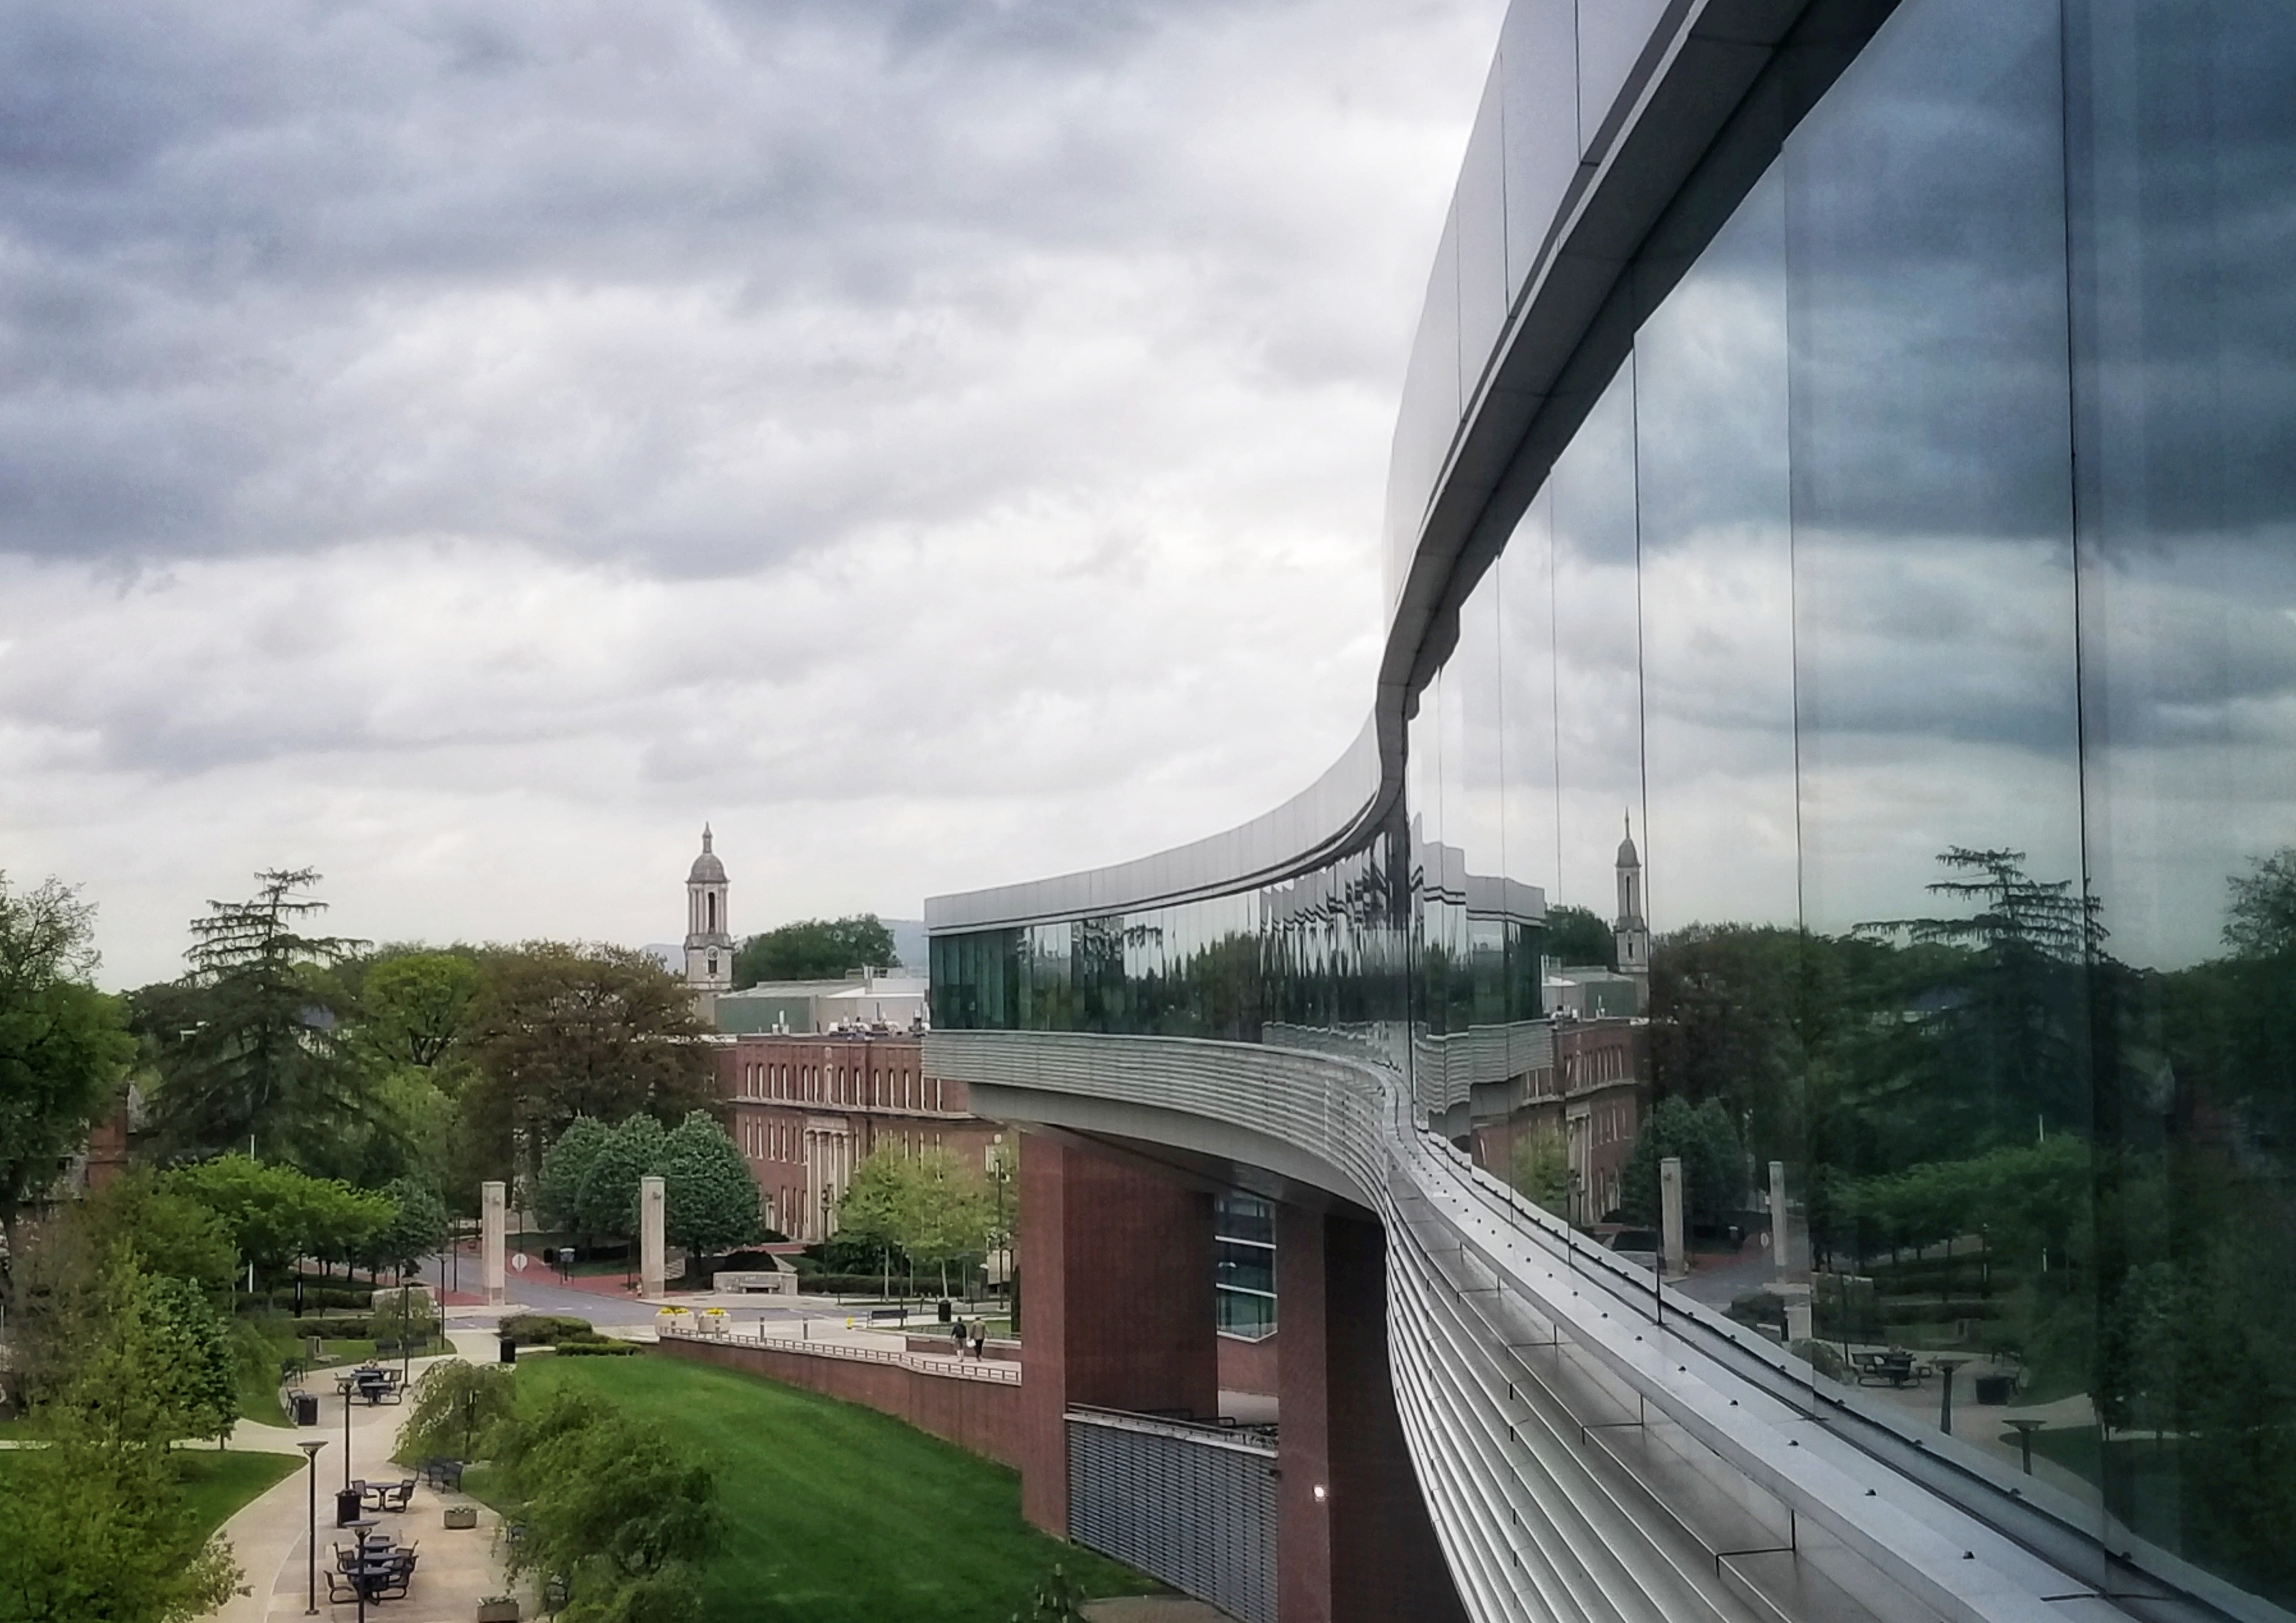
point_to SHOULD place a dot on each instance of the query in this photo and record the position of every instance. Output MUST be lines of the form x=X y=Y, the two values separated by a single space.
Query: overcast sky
x=463 y=447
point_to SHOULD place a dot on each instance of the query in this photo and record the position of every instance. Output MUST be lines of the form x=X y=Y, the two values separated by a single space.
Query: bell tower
x=1630 y=932
x=708 y=946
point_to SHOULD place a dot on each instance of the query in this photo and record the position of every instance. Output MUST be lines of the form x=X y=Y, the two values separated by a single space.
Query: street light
x=347 y=1438
x=311 y=1525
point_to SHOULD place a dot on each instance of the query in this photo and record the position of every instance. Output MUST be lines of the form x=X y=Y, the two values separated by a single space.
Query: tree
x=1576 y=934
x=1713 y=1177
x=97 y=1522
x=276 y=1214
x=564 y=1031
x=873 y=1210
x=611 y=1506
x=193 y=1351
x=414 y=1008
x=170 y=1234
x=417 y=1226
x=709 y=1197
x=608 y=1202
x=1542 y=1170
x=815 y=949
x=63 y=1045
x=456 y=1409
x=558 y=1190
x=948 y=1212
x=250 y=1045
x=2261 y=921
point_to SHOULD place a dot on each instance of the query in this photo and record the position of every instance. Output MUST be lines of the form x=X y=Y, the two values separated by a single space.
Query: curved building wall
x=1917 y=579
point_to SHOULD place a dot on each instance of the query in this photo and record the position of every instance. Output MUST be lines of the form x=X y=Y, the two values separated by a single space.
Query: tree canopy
x=561 y=1031
x=1713 y=1177
x=63 y=1045
x=931 y=1207
x=709 y=1198
x=276 y=1214
x=815 y=949
x=248 y=1044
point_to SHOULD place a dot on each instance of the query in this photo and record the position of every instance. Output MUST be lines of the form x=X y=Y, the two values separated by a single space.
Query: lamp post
x=311 y=1448
x=346 y=1437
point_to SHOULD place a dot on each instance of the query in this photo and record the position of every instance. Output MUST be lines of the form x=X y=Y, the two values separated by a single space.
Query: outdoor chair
x=342 y=1588
x=396 y=1497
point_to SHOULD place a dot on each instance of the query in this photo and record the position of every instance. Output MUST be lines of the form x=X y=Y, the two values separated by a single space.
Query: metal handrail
x=980 y=1370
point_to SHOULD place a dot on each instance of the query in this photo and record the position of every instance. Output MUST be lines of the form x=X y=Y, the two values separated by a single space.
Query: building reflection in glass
x=1922 y=587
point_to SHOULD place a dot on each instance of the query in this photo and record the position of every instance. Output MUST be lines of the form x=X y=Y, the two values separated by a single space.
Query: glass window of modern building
x=1828 y=833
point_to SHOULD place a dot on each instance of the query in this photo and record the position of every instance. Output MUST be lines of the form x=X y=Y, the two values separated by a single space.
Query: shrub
x=597 y=1347
x=542 y=1329
x=1823 y=1357
x=332 y=1329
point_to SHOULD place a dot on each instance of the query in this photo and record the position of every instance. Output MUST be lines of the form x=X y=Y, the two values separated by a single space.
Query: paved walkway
x=457 y=1569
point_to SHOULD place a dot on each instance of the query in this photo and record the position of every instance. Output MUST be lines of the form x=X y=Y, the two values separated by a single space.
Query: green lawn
x=217 y=1482
x=836 y=1513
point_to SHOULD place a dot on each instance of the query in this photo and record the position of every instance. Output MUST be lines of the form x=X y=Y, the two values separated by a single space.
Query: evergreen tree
x=608 y=1202
x=558 y=1190
x=250 y=1045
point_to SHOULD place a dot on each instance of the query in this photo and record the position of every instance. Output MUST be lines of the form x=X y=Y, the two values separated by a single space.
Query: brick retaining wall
x=981 y=1417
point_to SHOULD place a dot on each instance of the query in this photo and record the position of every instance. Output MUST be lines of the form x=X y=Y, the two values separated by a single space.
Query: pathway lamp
x=311 y=1526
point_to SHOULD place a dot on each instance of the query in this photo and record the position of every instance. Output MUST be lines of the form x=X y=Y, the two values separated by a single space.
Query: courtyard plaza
x=455 y=1569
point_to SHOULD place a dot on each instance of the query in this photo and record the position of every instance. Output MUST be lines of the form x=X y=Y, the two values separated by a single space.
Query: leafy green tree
x=276 y=1214
x=170 y=1234
x=414 y=1008
x=558 y=1190
x=948 y=1212
x=815 y=949
x=2261 y=921
x=250 y=1045
x=191 y=1346
x=417 y=1228
x=1713 y=1177
x=63 y=1045
x=613 y=1507
x=1542 y=1170
x=608 y=1202
x=709 y=1198
x=873 y=1210
x=1576 y=934
x=96 y=1526
x=564 y=1031
x=456 y=1409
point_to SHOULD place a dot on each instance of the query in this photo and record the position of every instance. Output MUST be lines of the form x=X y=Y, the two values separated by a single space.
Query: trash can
x=347 y=1506
x=945 y=1313
x=509 y=1351
x=307 y=1409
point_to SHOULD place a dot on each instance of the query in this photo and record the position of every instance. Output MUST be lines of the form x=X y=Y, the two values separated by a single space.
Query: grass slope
x=217 y=1484
x=836 y=1513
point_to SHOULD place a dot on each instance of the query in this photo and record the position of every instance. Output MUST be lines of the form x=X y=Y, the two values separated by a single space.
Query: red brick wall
x=982 y=1417
x=1117 y=1303
x=1365 y=1553
x=1249 y=1367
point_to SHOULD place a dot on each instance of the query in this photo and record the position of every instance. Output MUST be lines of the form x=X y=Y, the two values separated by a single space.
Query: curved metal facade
x=1856 y=443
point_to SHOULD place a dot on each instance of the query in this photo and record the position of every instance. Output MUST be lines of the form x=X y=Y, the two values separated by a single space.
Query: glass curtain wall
x=1908 y=643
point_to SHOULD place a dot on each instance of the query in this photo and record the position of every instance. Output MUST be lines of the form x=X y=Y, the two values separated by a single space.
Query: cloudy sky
x=461 y=446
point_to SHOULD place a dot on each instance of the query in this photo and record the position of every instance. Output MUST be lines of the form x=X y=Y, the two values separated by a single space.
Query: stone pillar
x=1355 y=1542
x=1780 y=1241
x=653 y=1265
x=492 y=1198
x=1675 y=1258
x=1116 y=1304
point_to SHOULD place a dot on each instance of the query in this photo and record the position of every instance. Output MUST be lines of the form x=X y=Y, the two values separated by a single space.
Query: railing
x=1006 y=1373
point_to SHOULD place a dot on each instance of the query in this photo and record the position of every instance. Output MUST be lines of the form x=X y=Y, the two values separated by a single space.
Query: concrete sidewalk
x=454 y=1570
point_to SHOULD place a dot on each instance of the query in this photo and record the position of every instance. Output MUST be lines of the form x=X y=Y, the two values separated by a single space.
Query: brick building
x=1594 y=1095
x=808 y=1110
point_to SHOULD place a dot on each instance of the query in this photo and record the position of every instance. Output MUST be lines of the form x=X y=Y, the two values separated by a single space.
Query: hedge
x=541 y=1328
x=597 y=1347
